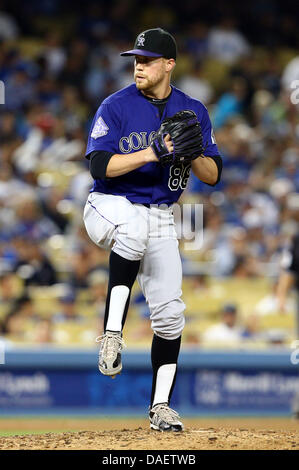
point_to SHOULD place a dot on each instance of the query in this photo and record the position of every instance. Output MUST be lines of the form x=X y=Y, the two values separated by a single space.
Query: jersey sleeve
x=209 y=140
x=104 y=133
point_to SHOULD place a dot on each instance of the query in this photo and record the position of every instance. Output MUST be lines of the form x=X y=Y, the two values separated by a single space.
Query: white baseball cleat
x=163 y=418
x=111 y=345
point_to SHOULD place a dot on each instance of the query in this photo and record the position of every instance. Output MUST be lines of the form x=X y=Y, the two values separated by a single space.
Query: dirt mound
x=144 y=439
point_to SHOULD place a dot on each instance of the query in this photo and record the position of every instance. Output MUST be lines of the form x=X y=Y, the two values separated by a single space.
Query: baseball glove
x=186 y=135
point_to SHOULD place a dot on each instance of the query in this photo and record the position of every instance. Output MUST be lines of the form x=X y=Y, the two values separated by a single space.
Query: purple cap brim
x=141 y=52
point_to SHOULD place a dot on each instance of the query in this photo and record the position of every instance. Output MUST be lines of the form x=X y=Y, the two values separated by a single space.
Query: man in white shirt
x=227 y=330
x=226 y=43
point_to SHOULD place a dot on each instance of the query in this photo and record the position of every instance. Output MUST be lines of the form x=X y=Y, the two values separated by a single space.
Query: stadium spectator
x=7 y=287
x=54 y=54
x=43 y=331
x=50 y=207
x=8 y=26
x=22 y=313
x=24 y=306
x=251 y=329
x=19 y=89
x=231 y=103
x=68 y=311
x=31 y=222
x=195 y=85
x=32 y=264
x=196 y=42
x=97 y=287
x=227 y=332
x=13 y=326
x=8 y=126
x=226 y=43
x=289 y=276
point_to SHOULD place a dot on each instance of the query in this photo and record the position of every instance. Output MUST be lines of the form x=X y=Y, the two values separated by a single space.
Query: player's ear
x=170 y=64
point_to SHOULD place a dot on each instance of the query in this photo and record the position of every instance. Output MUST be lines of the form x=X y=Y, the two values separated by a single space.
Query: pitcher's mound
x=144 y=439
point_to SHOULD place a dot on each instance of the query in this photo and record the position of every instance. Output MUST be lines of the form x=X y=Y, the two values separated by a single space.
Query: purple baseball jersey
x=126 y=122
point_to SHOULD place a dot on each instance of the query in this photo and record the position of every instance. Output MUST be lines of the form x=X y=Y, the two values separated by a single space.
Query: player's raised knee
x=131 y=239
x=171 y=329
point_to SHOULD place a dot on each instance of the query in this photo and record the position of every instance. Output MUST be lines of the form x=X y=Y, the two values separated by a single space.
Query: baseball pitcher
x=143 y=141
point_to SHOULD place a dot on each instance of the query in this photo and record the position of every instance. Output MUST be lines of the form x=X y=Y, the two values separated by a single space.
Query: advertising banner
x=197 y=391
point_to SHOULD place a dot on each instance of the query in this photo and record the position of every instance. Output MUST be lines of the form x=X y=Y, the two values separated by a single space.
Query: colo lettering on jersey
x=135 y=141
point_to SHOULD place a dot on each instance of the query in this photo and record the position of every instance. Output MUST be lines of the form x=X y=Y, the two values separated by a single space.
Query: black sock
x=164 y=351
x=122 y=272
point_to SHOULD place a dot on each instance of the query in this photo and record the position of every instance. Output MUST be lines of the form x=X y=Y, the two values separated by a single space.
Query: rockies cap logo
x=154 y=42
x=140 y=40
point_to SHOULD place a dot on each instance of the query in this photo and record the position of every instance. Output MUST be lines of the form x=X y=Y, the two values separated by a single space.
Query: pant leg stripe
x=101 y=214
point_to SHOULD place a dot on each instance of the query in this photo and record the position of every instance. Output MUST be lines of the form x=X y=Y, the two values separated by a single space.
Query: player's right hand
x=168 y=143
x=152 y=156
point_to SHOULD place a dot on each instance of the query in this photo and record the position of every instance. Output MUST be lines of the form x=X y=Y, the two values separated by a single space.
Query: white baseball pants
x=137 y=232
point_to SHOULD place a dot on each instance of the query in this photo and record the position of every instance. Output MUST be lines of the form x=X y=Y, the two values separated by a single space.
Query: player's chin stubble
x=146 y=83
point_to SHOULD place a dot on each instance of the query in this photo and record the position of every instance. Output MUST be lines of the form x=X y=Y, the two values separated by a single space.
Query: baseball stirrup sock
x=165 y=354
x=122 y=275
x=118 y=299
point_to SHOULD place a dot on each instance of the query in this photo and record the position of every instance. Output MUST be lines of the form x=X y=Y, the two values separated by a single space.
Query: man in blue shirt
x=129 y=210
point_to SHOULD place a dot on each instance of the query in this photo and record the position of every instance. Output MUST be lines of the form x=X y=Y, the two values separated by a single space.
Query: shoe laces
x=165 y=413
x=110 y=344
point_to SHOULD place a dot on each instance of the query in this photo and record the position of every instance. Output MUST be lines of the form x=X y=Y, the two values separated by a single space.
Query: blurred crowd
x=59 y=60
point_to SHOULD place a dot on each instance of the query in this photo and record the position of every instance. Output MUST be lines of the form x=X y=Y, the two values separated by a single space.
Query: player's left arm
x=209 y=168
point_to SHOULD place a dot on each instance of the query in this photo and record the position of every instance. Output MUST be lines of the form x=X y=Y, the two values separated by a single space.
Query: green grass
x=23 y=433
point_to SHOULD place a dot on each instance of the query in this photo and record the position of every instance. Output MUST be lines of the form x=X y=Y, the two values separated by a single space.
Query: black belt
x=149 y=205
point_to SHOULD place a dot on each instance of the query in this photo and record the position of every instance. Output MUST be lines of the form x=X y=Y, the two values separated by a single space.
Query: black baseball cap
x=154 y=43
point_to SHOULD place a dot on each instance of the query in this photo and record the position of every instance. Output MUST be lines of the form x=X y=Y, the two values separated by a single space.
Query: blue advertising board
x=208 y=383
